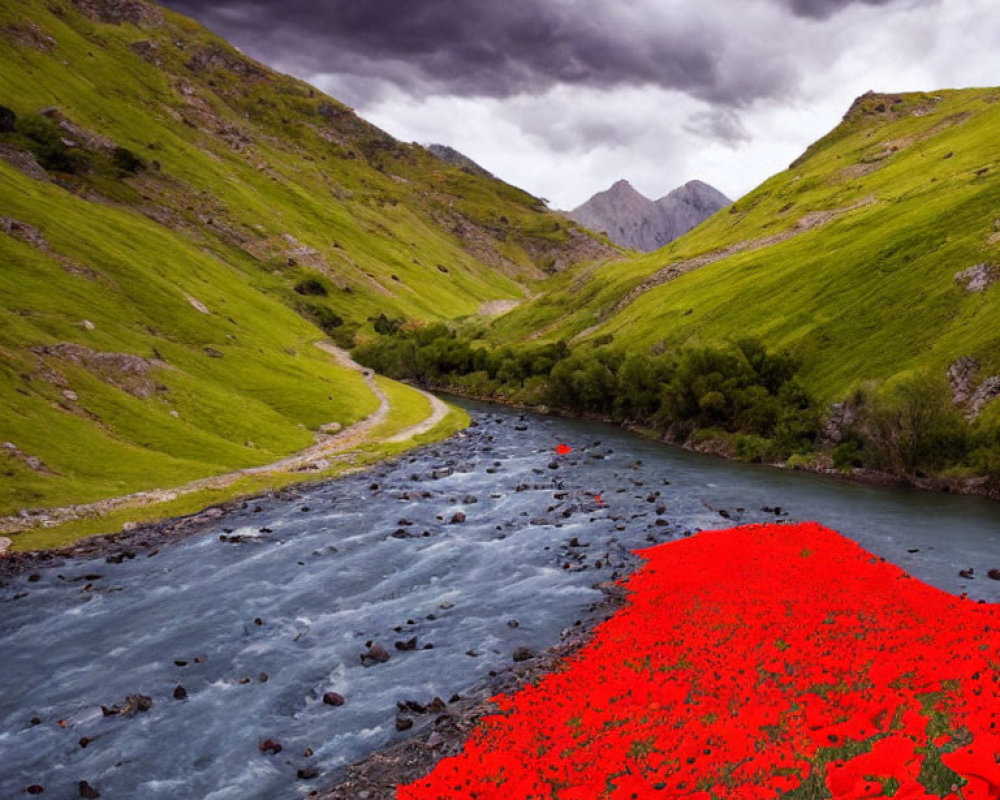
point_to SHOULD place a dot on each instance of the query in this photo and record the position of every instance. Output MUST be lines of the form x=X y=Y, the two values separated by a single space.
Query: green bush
x=8 y=120
x=913 y=425
x=311 y=286
x=324 y=317
x=45 y=140
x=127 y=161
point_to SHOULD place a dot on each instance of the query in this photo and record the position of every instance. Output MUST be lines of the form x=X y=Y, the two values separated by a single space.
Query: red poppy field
x=767 y=661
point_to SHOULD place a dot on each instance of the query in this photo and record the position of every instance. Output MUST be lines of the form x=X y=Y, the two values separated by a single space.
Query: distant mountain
x=632 y=220
x=449 y=155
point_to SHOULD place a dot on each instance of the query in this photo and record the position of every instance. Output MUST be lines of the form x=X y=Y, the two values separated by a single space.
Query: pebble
x=88 y=792
x=523 y=654
x=333 y=699
x=270 y=746
x=376 y=654
x=180 y=693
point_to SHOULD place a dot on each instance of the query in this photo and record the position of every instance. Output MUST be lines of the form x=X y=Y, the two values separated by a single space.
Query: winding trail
x=438 y=412
x=328 y=447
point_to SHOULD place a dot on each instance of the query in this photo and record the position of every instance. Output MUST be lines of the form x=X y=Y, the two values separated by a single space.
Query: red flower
x=748 y=662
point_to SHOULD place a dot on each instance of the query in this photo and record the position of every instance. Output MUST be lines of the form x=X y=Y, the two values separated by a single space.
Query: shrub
x=326 y=319
x=913 y=424
x=127 y=161
x=311 y=286
x=8 y=120
x=47 y=145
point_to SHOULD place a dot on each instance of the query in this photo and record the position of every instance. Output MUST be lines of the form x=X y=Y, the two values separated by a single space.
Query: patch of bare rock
x=978 y=277
x=117 y=12
x=968 y=392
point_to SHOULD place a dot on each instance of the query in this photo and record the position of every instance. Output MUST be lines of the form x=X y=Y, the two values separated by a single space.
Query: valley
x=318 y=448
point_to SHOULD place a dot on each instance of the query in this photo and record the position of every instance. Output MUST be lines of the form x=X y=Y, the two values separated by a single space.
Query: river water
x=258 y=627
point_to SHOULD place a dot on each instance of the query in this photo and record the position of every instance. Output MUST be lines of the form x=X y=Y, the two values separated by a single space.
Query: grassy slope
x=253 y=167
x=867 y=296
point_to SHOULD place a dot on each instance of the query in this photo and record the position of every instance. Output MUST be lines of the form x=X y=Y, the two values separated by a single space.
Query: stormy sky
x=564 y=97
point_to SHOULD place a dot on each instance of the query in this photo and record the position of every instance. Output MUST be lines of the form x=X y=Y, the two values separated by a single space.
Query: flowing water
x=259 y=625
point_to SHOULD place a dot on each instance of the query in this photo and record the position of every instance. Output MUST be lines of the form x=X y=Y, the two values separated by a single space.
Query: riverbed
x=451 y=559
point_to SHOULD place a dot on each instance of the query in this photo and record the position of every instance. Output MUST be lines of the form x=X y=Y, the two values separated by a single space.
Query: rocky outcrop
x=987 y=392
x=129 y=373
x=24 y=161
x=28 y=34
x=632 y=220
x=117 y=12
x=839 y=421
x=978 y=278
x=450 y=155
x=967 y=391
x=32 y=462
x=962 y=379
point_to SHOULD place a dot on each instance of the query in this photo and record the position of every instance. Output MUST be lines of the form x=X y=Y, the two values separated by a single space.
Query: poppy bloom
x=749 y=663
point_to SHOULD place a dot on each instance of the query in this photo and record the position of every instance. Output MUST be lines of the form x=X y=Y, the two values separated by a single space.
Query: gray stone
x=988 y=391
x=978 y=277
x=962 y=376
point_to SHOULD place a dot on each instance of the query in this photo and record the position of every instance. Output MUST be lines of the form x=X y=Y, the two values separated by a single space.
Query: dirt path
x=328 y=446
x=438 y=412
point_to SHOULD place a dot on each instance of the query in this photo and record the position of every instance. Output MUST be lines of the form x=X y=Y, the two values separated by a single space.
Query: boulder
x=523 y=654
x=87 y=792
x=978 y=277
x=270 y=746
x=333 y=699
x=376 y=654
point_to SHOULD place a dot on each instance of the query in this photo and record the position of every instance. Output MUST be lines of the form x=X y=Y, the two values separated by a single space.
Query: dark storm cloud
x=486 y=48
x=721 y=124
x=822 y=9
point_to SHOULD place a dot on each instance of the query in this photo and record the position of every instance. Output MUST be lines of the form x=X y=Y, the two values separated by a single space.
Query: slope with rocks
x=632 y=220
x=180 y=224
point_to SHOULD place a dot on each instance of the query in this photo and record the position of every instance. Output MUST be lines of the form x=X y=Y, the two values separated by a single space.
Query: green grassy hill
x=179 y=225
x=848 y=258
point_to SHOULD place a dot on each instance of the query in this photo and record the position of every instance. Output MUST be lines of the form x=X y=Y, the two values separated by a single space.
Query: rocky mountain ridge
x=630 y=219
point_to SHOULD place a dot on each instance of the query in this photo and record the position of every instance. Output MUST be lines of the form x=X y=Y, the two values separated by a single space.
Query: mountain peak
x=632 y=220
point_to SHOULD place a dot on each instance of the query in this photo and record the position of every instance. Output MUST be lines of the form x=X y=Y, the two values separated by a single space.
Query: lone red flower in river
x=759 y=662
x=564 y=449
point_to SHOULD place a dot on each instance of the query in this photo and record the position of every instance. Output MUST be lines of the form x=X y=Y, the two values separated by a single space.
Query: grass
x=250 y=486
x=869 y=295
x=249 y=183
x=407 y=407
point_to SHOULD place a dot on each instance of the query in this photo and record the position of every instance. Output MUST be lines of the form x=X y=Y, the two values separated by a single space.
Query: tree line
x=740 y=395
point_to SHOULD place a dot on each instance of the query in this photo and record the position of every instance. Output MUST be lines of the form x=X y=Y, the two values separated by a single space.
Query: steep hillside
x=872 y=256
x=632 y=220
x=180 y=225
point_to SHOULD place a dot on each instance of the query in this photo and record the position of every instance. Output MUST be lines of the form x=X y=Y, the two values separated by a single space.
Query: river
x=273 y=605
